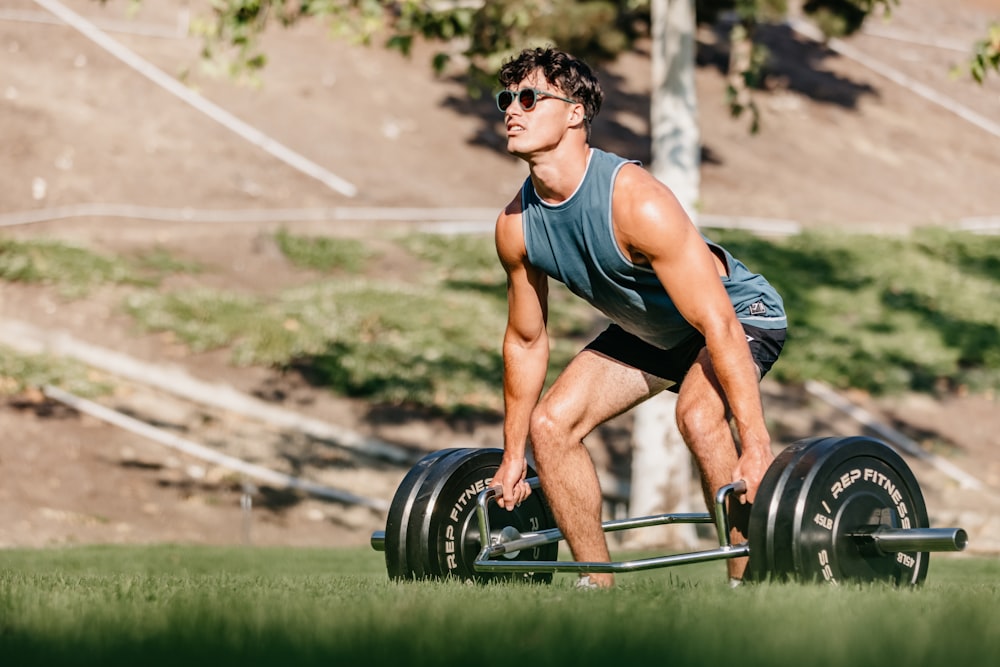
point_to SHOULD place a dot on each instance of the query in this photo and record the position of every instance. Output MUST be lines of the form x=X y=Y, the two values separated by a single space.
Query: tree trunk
x=662 y=479
x=674 y=115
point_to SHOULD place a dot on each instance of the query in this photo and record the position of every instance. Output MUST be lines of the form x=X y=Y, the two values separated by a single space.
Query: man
x=686 y=316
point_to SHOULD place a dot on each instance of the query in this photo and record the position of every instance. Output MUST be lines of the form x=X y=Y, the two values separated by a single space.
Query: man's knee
x=696 y=419
x=687 y=422
x=550 y=430
x=544 y=426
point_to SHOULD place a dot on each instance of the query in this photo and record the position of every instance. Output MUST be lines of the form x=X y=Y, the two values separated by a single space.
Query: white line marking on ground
x=207 y=454
x=210 y=109
x=894 y=75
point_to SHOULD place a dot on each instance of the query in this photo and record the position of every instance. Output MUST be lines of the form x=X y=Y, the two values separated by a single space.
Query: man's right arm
x=525 y=352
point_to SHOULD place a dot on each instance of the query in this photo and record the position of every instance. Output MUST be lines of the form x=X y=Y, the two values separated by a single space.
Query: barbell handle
x=483 y=500
x=497 y=491
x=738 y=487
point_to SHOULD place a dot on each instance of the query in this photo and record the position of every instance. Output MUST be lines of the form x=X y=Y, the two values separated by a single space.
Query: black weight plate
x=781 y=522
x=761 y=529
x=451 y=528
x=424 y=496
x=859 y=483
x=398 y=516
x=829 y=488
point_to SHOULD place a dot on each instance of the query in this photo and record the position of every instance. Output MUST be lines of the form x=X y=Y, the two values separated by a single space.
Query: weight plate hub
x=442 y=534
x=817 y=501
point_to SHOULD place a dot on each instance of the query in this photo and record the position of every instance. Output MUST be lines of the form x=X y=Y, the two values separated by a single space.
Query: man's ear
x=578 y=115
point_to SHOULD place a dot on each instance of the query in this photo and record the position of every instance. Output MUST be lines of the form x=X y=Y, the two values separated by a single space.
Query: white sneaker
x=585 y=583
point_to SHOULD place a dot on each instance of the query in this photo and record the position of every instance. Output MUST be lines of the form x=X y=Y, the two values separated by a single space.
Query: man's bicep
x=653 y=225
x=527 y=302
x=527 y=286
x=691 y=278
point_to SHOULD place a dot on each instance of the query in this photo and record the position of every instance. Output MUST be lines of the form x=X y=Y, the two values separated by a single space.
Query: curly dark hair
x=570 y=75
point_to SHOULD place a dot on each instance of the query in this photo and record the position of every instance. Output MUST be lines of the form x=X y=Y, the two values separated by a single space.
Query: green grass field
x=179 y=605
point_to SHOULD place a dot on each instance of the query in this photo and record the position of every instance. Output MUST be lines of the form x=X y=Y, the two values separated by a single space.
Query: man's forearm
x=524 y=376
x=736 y=371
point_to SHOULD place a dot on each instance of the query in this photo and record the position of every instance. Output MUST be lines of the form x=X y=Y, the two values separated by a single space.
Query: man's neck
x=556 y=175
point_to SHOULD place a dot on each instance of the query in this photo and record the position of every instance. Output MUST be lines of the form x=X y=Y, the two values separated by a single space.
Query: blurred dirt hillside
x=880 y=137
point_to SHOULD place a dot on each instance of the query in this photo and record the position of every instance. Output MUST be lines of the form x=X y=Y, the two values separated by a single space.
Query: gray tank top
x=574 y=243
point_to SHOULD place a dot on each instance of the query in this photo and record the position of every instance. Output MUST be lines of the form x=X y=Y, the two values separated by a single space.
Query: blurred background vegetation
x=885 y=314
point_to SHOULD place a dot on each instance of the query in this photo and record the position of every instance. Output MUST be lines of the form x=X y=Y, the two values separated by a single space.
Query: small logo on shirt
x=758 y=308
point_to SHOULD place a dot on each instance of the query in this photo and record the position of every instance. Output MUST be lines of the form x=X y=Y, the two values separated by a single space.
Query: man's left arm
x=651 y=222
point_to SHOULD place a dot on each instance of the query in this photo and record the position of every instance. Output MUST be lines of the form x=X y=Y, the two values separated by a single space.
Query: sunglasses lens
x=526 y=98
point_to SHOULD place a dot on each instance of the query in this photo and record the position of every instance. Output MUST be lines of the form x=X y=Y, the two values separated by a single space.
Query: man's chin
x=513 y=149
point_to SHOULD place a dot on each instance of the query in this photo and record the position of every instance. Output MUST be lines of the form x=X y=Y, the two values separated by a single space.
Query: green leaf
x=402 y=43
x=440 y=61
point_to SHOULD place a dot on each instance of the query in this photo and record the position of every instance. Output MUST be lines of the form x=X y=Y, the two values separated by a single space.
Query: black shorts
x=673 y=364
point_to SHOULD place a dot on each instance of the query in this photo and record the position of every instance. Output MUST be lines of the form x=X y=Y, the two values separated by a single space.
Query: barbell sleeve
x=378 y=540
x=895 y=540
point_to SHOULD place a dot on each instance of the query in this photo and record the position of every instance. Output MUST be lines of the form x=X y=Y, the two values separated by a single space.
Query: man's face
x=543 y=126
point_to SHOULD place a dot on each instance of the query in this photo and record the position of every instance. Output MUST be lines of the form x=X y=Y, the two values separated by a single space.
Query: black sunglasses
x=526 y=97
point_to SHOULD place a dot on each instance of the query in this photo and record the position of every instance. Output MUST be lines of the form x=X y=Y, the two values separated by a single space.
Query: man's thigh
x=593 y=388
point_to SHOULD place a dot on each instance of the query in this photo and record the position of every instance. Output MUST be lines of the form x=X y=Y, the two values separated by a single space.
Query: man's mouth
x=515 y=128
